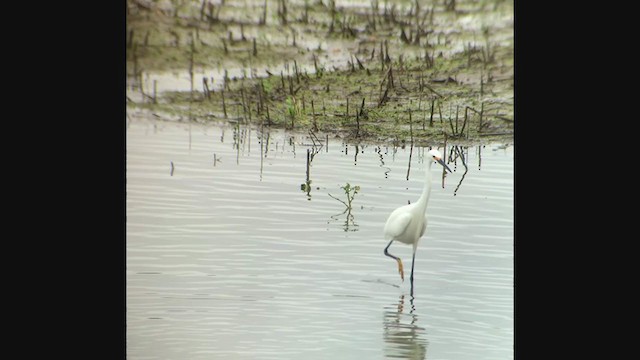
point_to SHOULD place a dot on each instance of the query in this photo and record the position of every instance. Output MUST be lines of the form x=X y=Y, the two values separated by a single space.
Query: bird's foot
x=401 y=269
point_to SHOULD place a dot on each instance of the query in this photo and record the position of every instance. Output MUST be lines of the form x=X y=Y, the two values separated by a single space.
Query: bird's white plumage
x=406 y=224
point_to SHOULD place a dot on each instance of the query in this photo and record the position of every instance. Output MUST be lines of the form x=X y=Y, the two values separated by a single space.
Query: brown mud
x=405 y=71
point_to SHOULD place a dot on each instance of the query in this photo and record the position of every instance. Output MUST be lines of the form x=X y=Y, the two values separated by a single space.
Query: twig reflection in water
x=264 y=147
x=402 y=336
x=239 y=136
x=311 y=153
x=379 y=151
x=410 y=155
x=348 y=222
x=306 y=186
x=458 y=152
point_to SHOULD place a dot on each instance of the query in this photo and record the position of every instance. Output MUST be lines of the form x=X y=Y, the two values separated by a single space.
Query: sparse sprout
x=350 y=192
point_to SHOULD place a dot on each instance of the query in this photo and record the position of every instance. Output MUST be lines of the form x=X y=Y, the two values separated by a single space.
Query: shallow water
x=228 y=258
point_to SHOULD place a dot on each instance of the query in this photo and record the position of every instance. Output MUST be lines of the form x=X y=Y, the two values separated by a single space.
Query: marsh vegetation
x=399 y=71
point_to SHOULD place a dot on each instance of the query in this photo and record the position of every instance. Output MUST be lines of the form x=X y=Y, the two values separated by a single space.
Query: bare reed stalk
x=224 y=45
x=457 y=107
x=282 y=11
x=212 y=17
x=333 y=12
x=410 y=124
x=424 y=118
x=242 y=102
x=481 y=113
x=346 y=115
x=292 y=120
x=315 y=64
x=428 y=59
x=384 y=97
x=290 y=85
x=249 y=106
x=263 y=19
x=206 y=89
x=155 y=82
x=386 y=46
x=381 y=56
x=224 y=106
x=308 y=162
x=357 y=123
x=191 y=66
x=262 y=96
x=305 y=15
x=433 y=102
x=282 y=80
x=360 y=66
x=136 y=68
x=450 y=5
x=313 y=116
x=453 y=132
x=464 y=123
x=130 y=41
x=268 y=117
x=444 y=156
x=202 y=8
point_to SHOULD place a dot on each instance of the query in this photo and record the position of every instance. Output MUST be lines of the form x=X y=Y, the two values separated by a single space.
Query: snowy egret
x=408 y=223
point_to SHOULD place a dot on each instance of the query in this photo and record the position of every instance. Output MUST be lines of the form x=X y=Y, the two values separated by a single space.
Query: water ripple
x=235 y=260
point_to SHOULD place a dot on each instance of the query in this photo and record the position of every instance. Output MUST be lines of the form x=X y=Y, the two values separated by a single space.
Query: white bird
x=408 y=223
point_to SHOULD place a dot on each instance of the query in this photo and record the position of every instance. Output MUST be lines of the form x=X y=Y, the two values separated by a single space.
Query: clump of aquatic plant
x=293 y=109
x=350 y=193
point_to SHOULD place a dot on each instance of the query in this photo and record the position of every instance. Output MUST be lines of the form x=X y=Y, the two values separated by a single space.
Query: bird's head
x=437 y=157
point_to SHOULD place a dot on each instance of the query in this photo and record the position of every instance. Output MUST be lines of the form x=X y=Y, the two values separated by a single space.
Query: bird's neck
x=426 y=191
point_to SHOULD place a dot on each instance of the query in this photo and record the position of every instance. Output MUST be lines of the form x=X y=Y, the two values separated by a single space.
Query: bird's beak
x=441 y=162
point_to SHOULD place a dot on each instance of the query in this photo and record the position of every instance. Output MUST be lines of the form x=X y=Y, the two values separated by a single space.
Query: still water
x=231 y=256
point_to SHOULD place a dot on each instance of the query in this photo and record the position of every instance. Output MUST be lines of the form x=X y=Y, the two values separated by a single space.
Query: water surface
x=229 y=257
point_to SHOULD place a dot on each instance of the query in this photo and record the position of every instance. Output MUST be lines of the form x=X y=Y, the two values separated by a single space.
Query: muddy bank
x=366 y=70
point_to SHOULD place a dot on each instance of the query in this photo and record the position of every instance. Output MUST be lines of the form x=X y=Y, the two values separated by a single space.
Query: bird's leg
x=400 y=267
x=413 y=261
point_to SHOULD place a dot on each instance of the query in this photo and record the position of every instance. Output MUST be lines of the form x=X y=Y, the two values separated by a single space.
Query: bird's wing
x=424 y=226
x=396 y=225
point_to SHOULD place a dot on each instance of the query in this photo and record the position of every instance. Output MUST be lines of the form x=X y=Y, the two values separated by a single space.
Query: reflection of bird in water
x=402 y=336
x=408 y=223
